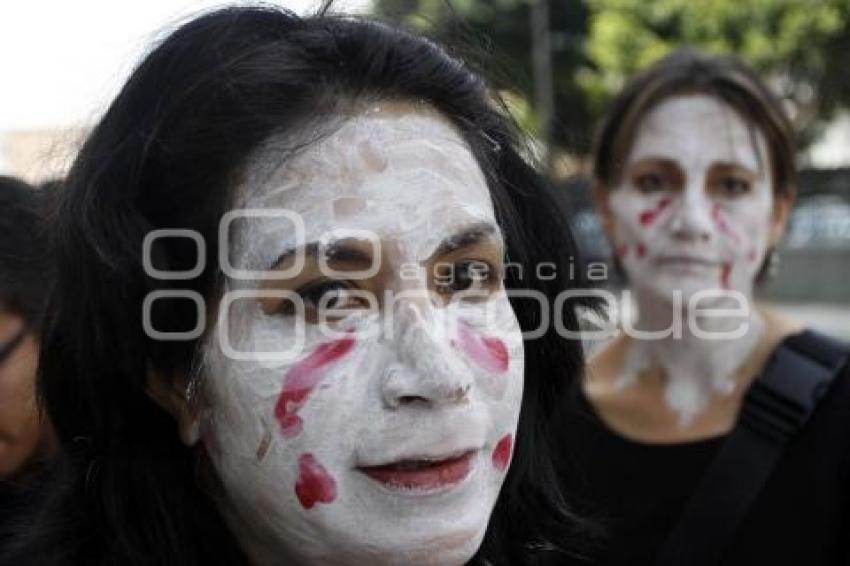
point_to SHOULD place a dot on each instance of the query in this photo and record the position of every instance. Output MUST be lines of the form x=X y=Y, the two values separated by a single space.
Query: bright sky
x=63 y=61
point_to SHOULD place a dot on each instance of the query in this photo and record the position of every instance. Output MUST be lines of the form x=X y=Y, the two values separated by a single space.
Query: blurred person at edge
x=27 y=439
x=694 y=181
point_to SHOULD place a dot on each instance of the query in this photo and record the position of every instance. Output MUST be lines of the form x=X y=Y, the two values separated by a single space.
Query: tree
x=496 y=36
x=801 y=47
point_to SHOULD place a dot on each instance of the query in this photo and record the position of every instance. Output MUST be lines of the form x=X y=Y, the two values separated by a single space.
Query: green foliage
x=795 y=44
x=802 y=47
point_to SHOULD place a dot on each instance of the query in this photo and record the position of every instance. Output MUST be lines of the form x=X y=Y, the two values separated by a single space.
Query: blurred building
x=39 y=155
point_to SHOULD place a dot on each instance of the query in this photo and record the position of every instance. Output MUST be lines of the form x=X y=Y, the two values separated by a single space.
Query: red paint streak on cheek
x=314 y=484
x=722 y=225
x=263 y=448
x=302 y=378
x=647 y=217
x=725 y=272
x=640 y=249
x=490 y=354
x=502 y=453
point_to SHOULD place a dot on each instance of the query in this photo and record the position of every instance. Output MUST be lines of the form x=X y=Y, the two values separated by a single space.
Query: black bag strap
x=775 y=408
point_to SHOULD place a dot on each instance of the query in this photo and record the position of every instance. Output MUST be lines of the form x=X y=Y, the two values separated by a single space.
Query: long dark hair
x=167 y=154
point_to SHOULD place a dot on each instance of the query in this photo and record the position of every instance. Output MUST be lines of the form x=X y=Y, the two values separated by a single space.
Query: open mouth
x=422 y=475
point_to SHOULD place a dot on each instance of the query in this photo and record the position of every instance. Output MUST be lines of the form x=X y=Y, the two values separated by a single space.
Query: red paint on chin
x=490 y=354
x=647 y=217
x=314 y=484
x=725 y=272
x=302 y=378
x=502 y=453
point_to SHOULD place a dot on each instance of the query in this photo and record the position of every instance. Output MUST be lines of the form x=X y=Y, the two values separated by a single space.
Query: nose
x=428 y=371
x=691 y=218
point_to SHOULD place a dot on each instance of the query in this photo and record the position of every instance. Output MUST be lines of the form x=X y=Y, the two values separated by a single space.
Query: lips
x=685 y=261
x=422 y=474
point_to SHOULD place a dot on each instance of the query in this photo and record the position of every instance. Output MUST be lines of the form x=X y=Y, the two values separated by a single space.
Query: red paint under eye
x=314 y=484
x=722 y=225
x=647 y=217
x=302 y=378
x=490 y=354
x=725 y=272
x=502 y=453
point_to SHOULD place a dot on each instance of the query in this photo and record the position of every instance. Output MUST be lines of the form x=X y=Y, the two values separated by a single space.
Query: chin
x=452 y=548
x=447 y=536
x=669 y=290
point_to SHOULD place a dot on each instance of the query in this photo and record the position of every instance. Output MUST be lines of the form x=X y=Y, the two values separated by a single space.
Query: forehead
x=698 y=130
x=395 y=169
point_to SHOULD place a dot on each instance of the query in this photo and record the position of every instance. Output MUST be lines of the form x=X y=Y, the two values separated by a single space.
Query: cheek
x=314 y=484
x=501 y=456
x=487 y=339
x=300 y=381
x=487 y=352
x=648 y=216
x=634 y=218
x=747 y=231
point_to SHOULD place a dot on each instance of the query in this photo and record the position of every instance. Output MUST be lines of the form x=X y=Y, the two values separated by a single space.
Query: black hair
x=24 y=262
x=167 y=154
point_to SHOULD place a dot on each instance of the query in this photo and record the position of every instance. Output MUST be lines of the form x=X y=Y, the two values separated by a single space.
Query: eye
x=651 y=182
x=467 y=275
x=327 y=294
x=732 y=186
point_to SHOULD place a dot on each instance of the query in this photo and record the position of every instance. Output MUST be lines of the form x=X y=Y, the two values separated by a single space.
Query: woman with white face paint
x=288 y=236
x=694 y=182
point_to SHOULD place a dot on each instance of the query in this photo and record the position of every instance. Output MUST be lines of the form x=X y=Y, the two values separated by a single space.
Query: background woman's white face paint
x=325 y=457
x=694 y=207
x=693 y=212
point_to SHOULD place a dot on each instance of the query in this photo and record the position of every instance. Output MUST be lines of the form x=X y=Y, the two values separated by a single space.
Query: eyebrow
x=335 y=251
x=340 y=252
x=467 y=237
x=655 y=160
x=737 y=165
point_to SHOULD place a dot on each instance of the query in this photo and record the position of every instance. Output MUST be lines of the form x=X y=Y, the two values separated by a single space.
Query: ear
x=602 y=203
x=171 y=395
x=782 y=205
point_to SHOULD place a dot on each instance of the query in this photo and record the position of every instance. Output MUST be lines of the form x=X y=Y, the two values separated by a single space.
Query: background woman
x=694 y=182
x=26 y=436
x=310 y=149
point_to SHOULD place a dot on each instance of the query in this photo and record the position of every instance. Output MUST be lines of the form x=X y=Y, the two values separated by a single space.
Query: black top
x=636 y=491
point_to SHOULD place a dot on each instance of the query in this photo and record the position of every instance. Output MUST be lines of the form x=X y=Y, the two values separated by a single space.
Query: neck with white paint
x=697 y=351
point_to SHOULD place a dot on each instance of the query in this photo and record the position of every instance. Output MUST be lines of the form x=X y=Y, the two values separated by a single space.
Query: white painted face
x=694 y=208
x=388 y=442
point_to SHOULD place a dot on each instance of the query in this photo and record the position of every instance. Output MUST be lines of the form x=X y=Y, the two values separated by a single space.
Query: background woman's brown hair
x=687 y=71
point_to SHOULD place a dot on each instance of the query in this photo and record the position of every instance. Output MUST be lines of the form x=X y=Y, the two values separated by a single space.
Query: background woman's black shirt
x=636 y=491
